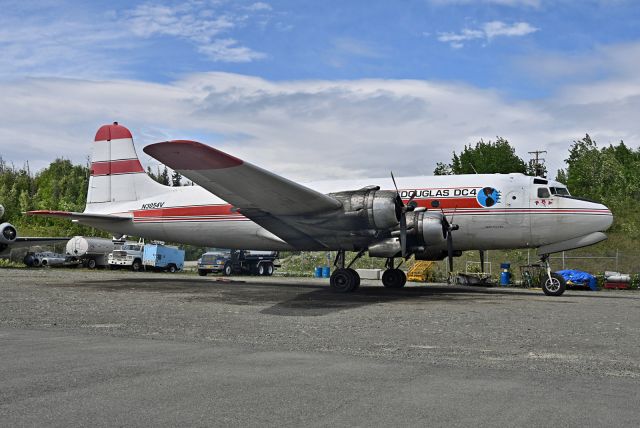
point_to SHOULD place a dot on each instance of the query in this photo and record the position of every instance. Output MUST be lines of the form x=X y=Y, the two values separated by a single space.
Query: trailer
x=160 y=257
x=248 y=262
x=88 y=251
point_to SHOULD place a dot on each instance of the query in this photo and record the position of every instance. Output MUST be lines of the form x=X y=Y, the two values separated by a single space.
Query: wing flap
x=246 y=186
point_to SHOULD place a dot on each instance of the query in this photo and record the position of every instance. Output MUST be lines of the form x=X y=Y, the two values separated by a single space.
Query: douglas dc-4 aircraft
x=9 y=238
x=240 y=205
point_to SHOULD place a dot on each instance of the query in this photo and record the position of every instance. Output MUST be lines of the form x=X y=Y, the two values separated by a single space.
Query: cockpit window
x=543 y=192
x=560 y=191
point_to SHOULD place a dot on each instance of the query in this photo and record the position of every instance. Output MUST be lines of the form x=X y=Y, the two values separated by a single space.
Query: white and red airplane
x=240 y=205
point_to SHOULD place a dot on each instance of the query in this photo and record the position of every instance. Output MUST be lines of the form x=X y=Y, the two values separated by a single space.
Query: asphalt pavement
x=105 y=348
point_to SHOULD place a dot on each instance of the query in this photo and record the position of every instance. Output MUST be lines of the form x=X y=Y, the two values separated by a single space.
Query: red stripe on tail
x=126 y=166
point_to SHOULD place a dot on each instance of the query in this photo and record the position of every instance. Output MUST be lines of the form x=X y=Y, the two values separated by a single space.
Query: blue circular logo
x=488 y=197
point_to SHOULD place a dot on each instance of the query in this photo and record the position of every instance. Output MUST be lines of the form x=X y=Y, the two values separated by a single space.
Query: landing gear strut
x=344 y=279
x=393 y=277
x=554 y=284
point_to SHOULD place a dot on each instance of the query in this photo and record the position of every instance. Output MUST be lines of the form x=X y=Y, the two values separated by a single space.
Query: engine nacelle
x=8 y=233
x=426 y=227
x=375 y=209
x=387 y=248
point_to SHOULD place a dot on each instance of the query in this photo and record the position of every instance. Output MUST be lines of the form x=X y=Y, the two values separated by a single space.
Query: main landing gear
x=554 y=284
x=393 y=277
x=346 y=280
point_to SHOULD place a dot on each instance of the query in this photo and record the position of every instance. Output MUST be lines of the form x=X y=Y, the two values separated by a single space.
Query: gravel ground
x=483 y=356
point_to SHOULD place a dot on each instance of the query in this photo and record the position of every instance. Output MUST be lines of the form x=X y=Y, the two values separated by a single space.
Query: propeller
x=403 y=216
x=447 y=228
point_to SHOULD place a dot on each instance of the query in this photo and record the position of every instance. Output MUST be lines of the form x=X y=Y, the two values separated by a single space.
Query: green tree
x=176 y=179
x=484 y=158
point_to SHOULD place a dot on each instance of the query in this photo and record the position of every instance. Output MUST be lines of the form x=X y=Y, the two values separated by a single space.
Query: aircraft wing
x=240 y=183
x=266 y=198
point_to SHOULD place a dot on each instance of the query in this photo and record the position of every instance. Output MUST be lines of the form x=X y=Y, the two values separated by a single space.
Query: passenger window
x=543 y=192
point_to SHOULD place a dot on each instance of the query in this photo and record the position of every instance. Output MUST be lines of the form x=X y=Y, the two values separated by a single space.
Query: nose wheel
x=553 y=284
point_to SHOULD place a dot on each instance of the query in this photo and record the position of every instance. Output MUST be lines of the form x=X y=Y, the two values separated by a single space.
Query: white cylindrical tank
x=79 y=246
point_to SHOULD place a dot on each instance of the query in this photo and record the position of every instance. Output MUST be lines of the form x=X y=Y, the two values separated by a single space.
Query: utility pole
x=537 y=163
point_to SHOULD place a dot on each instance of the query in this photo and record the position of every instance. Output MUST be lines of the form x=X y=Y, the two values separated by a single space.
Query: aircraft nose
x=606 y=218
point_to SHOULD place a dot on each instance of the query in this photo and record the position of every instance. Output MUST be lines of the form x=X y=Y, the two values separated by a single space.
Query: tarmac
x=104 y=348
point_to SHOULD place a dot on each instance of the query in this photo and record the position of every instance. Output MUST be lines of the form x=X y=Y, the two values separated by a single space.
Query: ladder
x=419 y=272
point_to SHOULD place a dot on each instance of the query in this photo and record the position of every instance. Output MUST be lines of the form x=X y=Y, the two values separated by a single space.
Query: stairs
x=420 y=270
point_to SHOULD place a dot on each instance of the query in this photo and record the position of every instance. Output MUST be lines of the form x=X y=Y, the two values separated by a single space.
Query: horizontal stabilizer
x=80 y=216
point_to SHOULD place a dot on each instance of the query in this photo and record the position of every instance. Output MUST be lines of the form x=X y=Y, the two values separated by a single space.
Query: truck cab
x=129 y=255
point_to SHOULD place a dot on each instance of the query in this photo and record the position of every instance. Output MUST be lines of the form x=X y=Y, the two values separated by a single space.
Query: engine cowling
x=374 y=208
x=426 y=228
x=8 y=234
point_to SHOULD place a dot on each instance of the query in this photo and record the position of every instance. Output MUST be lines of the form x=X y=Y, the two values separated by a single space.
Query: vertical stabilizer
x=116 y=172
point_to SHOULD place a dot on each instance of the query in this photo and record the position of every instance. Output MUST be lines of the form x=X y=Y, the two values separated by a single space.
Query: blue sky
x=371 y=85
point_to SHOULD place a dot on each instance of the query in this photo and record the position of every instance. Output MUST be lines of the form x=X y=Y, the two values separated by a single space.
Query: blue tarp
x=579 y=277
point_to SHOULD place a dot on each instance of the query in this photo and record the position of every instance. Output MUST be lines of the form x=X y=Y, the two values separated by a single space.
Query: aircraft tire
x=554 y=286
x=355 y=274
x=394 y=278
x=343 y=281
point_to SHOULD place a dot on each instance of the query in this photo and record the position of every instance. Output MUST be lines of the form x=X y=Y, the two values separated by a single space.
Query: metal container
x=79 y=246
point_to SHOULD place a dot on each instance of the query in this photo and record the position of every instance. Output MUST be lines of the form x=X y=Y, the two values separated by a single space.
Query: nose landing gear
x=554 y=284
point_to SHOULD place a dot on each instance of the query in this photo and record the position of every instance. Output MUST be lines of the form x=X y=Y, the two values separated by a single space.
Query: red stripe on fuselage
x=125 y=166
x=444 y=203
x=202 y=210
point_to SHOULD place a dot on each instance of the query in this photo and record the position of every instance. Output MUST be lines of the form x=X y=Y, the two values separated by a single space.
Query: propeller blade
x=450 y=250
x=394 y=183
x=403 y=234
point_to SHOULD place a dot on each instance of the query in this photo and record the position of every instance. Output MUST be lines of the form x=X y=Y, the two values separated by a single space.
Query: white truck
x=128 y=256
x=90 y=252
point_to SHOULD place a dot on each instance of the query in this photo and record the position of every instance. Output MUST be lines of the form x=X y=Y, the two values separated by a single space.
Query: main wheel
x=202 y=272
x=268 y=269
x=355 y=274
x=260 y=269
x=91 y=263
x=227 y=270
x=394 y=278
x=343 y=280
x=555 y=285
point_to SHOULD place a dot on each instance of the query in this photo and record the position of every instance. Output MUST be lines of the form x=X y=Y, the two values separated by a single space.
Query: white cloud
x=74 y=46
x=259 y=6
x=314 y=129
x=197 y=24
x=487 y=31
